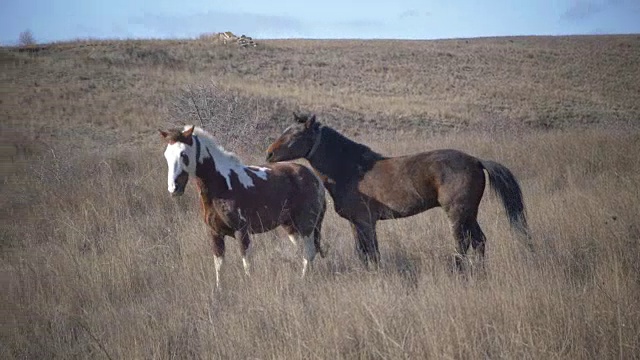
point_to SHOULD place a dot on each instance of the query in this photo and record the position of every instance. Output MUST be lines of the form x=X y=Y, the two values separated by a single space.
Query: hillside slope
x=127 y=87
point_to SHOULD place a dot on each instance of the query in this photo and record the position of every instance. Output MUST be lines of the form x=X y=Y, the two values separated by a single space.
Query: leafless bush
x=241 y=123
x=26 y=38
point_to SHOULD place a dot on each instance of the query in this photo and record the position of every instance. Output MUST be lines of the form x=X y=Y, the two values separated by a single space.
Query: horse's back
x=299 y=174
x=303 y=184
x=426 y=170
x=305 y=196
x=441 y=163
x=453 y=175
x=407 y=185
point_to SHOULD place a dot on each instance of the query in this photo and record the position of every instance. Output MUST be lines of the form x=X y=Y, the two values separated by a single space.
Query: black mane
x=348 y=150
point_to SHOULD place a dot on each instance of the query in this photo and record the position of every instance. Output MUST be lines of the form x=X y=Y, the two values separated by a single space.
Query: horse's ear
x=163 y=133
x=310 y=121
x=298 y=118
x=187 y=133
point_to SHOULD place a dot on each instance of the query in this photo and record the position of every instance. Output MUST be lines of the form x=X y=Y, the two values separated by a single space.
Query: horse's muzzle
x=180 y=184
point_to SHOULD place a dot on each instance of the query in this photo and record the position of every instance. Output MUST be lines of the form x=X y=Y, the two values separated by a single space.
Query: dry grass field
x=98 y=261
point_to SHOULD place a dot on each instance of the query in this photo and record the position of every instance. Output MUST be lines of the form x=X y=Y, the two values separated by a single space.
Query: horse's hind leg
x=217 y=243
x=308 y=245
x=243 y=238
x=478 y=239
x=467 y=232
x=308 y=252
x=461 y=231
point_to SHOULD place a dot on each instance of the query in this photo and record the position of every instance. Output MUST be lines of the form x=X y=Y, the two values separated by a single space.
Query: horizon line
x=479 y=37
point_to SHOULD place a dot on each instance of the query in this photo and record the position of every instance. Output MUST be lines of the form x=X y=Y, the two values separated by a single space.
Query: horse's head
x=181 y=158
x=297 y=141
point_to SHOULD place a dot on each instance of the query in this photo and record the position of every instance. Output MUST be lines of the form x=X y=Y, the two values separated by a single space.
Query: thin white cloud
x=586 y=9
x=413 y=13
x=360 y=24
x=582 y=9
x=598 y=31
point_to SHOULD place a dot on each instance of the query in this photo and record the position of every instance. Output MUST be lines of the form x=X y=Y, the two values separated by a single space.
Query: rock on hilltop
x=228 y=37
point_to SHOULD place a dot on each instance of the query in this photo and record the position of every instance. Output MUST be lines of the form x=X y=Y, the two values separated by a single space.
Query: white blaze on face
x=175 y=163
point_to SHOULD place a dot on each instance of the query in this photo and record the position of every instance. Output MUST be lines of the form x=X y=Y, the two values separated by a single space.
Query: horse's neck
x=338 y=157
x=212 y=183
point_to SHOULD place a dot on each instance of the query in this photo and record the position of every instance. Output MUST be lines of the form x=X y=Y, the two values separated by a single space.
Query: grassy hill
x=97 y=261
x=544 y=82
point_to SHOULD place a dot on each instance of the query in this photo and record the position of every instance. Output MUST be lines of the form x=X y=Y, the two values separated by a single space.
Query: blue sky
x=55 y=20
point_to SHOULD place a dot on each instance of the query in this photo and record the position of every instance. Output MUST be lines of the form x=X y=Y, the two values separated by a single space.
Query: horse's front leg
x=364 y=233
x=243 y=238
x=217 y=243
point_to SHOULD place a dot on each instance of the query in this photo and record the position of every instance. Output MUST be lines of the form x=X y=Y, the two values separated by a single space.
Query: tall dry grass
x=99 y=262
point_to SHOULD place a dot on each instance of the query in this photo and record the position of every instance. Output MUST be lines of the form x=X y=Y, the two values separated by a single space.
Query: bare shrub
x=26 y=38
x=239 y=122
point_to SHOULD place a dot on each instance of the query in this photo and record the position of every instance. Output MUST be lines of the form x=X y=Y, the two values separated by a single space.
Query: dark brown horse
x=367 y=187
x=238 y=200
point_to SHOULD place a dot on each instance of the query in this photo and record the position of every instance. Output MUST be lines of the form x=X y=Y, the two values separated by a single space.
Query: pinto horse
x=239 y=200
x=367 y=187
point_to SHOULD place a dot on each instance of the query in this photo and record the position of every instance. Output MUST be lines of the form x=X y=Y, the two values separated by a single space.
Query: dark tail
x=505 y=185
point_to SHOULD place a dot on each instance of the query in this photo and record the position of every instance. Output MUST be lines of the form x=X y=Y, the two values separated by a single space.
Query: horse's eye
x=185 y=159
